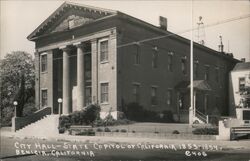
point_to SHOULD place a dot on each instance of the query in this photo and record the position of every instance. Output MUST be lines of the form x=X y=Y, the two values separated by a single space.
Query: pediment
x=71 y=22
x=69 y=16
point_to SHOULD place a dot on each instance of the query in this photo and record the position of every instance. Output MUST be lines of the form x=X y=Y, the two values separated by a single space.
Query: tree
x=17 y=73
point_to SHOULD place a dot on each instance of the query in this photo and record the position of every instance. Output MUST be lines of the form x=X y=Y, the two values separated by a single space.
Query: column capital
x=65 y=48
x=79 y=44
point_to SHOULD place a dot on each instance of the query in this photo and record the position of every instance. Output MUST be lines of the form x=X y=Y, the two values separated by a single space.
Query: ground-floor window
x=44 y=94
x=154 y=96
x=136 y=92
x=169 y=97
x=104 y=92
x=88 y=97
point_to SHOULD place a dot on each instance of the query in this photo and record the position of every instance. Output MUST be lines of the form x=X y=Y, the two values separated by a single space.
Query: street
x=24 y=149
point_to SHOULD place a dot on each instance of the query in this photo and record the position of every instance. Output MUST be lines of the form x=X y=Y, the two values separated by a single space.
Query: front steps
x=47 y=126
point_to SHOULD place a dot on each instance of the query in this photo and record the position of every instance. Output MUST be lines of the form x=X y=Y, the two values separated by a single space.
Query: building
x=90 y=55
x=239 y=83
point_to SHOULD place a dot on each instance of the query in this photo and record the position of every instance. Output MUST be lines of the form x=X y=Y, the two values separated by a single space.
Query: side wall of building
x=147 y=76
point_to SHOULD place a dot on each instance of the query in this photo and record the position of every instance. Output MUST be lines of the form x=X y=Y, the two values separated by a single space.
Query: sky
x=20 y=18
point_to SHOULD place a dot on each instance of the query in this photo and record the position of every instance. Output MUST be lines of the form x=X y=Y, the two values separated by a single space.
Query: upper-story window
x=154 y=100
x=155 y=57
x=242 y=82
x=206 y=77
x=217 y=74
x=136 y=92
x=104 y=50
x=184 y=65
x=43 y=62
x=137 y=54
x=170 y=61
x=196 y=69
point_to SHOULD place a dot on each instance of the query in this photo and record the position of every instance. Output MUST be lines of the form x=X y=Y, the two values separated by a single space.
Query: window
x=196 y=69
x=137 y=55
x=104 y=50
x=155 y=57
x=88 y=96
x=217 y=74
x=154 y=96
x=44 y=97
x=206 y=103
x=104 y=92
x=183 y=65
x=136 y=92
x=44 y=63
x=169 y=97
x=170 y=61
x=242 y=83
x=206 y=72
x=87 y=66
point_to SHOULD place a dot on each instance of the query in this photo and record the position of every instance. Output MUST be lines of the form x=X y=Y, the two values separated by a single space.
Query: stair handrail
x=201 y=116
x=20 y=122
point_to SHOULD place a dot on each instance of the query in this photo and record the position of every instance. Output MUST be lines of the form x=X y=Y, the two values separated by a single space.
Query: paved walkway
x=240 y=145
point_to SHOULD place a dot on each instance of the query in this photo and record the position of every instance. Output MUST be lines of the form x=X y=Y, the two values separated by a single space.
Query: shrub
x=133 y=131
x=117 y=130
x=99 y=130
x=168 y=116
x=123 y=130
x=205 y=131
x=107 y=129
x=64 y=122
x=175 y=132
x=92 y=112
x=86 y=133
x=156 y=132
x=61 y=130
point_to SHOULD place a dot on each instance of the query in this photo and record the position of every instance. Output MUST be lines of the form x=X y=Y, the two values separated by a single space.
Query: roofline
x=173 y=35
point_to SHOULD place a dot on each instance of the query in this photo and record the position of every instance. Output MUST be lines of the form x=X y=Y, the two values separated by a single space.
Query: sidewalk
x=229 y=145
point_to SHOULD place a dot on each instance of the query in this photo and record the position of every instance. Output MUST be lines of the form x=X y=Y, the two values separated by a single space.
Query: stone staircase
x=47 y=126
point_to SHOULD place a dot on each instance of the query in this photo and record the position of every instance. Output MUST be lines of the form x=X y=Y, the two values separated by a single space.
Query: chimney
x=221 y=46
x=163 y=23
x=243 y=60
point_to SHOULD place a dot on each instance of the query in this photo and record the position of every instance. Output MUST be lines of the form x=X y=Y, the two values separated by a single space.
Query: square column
x=66 y=82
x=80 y=75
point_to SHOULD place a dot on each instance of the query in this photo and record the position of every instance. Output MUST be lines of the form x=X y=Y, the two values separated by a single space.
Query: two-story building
x=88 y=55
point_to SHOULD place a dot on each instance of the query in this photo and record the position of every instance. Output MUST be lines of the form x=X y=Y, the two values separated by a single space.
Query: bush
x=133 y=131
x=123 y=130
x=86 y=133
x=99 y=130
x=107 y=129
x=205 y=131
x=175 y=132
x=92 y=112
x=117 y=130
x=61 y=130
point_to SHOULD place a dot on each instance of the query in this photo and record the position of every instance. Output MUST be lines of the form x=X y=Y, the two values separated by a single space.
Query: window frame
x=136 y=92
x=44 y=101
x=154 y=100
x=169 y=97
x=241 y=89
x=207 y=71
x=104 y=98
x=103 y=58
x=170 y=61
x=155 y=56
x=44 y=62
x=184 y=65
